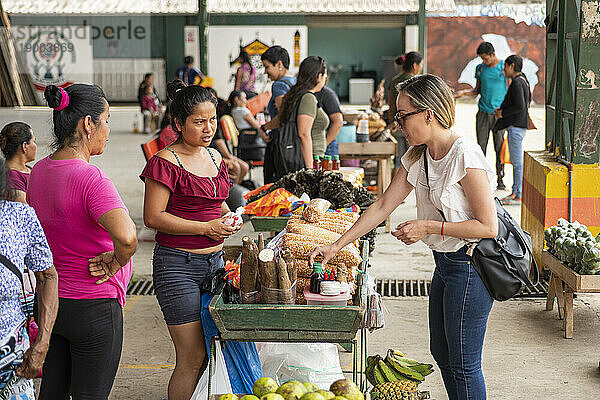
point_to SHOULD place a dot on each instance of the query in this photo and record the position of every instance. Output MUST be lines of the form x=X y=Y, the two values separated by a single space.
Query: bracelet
x=442 y=232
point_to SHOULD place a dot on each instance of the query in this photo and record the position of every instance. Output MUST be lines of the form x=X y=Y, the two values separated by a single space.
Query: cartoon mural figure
x=587 y=78
x=503 y=50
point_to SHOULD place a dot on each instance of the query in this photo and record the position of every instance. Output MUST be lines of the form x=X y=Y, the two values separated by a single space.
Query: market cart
x=295 y=324
x=563 y=283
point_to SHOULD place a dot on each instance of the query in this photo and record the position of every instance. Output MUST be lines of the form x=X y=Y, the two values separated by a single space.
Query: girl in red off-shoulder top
x=186 y=187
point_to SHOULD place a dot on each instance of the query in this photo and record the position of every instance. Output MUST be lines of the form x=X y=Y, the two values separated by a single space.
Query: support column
x=203 y=24
x=422 y=18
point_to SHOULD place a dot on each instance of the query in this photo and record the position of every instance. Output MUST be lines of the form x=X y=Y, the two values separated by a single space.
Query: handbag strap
x=13 y=268
x=426 y=167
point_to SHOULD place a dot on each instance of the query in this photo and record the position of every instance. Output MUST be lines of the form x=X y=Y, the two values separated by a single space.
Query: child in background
x=149 y=108
x=251 y=146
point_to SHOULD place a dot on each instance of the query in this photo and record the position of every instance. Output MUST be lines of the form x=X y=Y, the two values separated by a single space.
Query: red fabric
x=192 y=198
x=166 y=137
x=17 y=180
x=149 y=104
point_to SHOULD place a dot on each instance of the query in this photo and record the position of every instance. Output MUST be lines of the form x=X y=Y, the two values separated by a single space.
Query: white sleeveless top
x=446 y=192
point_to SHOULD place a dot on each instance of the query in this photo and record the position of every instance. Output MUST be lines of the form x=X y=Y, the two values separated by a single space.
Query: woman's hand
x=218 y=230
x=104 y=265
x=498 y=113
x=33 y=360
x=326 y=252
x=412 y=231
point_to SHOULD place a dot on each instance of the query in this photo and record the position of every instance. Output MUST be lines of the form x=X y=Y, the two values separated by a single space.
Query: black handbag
x=505 y=262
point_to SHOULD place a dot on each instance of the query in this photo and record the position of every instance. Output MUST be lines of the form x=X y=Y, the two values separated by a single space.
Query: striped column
x=546 y=196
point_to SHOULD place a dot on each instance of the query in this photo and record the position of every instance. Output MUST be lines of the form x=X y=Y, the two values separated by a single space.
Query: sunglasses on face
x=400 y=117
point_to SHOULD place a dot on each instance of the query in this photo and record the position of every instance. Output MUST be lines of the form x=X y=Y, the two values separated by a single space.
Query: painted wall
x=359 y=47
x=455 y=60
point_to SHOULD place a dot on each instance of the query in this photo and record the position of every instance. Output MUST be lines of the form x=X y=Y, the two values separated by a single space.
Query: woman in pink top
x=92 y=239
x=18 y=146
x=245 y=76
x=186 y=187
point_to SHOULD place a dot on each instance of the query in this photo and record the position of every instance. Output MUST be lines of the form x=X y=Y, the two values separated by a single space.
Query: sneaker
x=501 y=186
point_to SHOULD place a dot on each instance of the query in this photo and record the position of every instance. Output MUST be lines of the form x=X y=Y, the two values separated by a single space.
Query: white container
x=361 y=90
x=313 y=299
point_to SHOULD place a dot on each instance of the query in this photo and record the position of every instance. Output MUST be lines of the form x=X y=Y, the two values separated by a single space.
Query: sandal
x=507 y=201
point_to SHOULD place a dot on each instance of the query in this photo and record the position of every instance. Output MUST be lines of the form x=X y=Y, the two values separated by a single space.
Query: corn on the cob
x=301 y=246
x=315 y=209
x=300 y=228
x=338 y=222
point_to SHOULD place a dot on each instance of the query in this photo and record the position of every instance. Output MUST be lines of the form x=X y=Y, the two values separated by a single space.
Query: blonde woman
x=455 y=208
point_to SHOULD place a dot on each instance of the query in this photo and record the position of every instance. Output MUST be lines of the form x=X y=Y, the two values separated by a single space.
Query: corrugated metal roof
x=325 y=6
x=223 y=6
x=100 y=6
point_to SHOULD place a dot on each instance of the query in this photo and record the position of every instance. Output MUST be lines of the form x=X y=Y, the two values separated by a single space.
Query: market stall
x=573 y=258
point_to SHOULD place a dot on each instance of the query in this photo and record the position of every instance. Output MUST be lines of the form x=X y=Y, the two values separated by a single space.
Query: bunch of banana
x=395 y=367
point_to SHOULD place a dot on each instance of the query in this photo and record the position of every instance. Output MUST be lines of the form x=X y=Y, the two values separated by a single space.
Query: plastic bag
x=278 y=296
x=315 y=209
x=317 y=363
x=220 y=379
x=241 y=358
x=374 y=317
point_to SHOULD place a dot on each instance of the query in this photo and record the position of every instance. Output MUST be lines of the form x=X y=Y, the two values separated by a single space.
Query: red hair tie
x=64 y=100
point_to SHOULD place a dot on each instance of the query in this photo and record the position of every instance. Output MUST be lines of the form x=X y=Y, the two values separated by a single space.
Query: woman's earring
x=88 y=136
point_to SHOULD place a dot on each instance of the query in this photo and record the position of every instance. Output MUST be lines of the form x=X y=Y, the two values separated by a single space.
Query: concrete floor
x=525 y=356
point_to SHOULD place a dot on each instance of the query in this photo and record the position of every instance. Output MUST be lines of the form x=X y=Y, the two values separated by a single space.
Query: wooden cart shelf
x=563 y=283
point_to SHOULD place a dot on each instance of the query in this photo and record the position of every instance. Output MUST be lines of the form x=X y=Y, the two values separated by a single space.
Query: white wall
x=224 y=45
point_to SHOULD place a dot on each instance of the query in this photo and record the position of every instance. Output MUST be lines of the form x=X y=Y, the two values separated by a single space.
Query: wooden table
x=382 y=152
x=563 y=283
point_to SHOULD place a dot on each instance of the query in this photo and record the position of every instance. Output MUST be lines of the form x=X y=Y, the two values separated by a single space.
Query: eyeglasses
x=399 y=117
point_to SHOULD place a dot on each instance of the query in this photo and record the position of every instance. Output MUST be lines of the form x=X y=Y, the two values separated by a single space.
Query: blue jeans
x=332 y=149
x=515 y=148
x=459 y=305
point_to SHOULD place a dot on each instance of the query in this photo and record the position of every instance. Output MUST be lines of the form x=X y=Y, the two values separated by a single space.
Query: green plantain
x=423 y=369
x=395 y=353
x=369 y=373
x=404 y=369
x=378 y=376
x=372 y=360
x=386 y=371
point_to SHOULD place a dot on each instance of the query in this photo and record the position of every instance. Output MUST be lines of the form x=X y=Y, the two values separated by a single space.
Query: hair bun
x=53 y=96
x=173 y=87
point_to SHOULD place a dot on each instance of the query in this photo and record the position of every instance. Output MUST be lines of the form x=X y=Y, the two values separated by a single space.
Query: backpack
x=287 y=151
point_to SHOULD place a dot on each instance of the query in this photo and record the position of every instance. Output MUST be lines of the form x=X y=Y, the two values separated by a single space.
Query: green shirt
x=401 y=77
x=318 y=132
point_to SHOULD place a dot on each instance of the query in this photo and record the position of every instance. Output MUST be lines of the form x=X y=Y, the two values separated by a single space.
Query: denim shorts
x=178 y=276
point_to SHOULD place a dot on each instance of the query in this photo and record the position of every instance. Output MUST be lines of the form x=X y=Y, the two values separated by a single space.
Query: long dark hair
x=308 y=77
x=83 y=100
x=12 y=136
x=184 y=99
x=6 y=192
x=517 y=62
x=408 y=60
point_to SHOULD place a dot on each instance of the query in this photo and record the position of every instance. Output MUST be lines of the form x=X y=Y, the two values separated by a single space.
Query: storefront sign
x=56 y=55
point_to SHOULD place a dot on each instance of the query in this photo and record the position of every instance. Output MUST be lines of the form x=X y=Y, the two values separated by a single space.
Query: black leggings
x=85 y=350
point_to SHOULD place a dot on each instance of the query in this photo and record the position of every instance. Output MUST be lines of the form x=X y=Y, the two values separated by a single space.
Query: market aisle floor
x=525 y=356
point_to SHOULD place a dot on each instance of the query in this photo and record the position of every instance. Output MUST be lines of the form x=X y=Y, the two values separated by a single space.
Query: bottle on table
x=316 y=278
x=316 y=162
x=326 y=163
x=336 y=163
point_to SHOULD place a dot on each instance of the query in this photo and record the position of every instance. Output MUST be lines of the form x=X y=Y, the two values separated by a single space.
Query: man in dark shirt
x=329 y=102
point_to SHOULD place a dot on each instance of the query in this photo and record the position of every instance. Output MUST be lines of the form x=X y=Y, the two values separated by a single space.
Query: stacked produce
x=395 y=376
x=267 y=389
x=574 y=245
x=330 y=186
x=265 y=277
x=317 y=226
